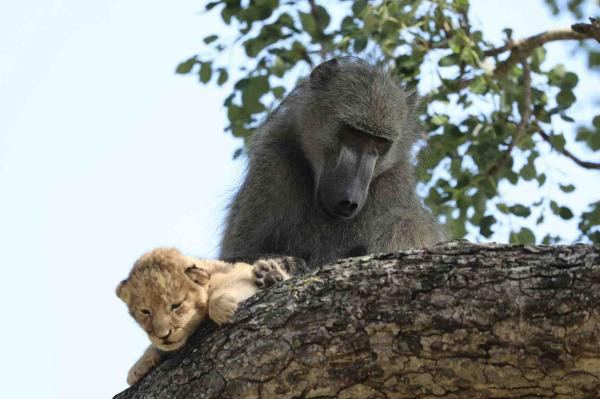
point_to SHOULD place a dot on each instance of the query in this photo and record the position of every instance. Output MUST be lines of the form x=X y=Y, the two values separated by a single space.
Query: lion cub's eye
x=146 y=312
x=175 y=306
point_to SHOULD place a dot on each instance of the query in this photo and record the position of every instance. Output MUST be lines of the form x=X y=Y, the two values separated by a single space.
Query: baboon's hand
x=292 y=264
x=270 y=271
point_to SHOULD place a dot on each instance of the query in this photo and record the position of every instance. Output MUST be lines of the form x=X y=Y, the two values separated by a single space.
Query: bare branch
x=529 y=44
x=567 y=153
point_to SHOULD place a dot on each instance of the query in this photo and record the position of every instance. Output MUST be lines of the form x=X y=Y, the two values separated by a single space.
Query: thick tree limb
x=458 y=320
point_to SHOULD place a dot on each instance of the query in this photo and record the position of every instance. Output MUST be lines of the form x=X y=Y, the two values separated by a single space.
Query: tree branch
x=567 y=153
x=520 y=49
x=529 y=44
x=457 y=320
x=591 y=30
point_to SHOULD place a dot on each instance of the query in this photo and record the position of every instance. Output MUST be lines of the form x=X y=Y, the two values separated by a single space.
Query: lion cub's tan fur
x=169 y=295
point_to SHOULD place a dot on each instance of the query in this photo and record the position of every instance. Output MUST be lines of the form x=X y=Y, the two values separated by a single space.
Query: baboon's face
x=343 y=184
x=353 y=130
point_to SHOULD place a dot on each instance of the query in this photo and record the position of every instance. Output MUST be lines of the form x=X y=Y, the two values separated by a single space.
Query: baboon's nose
x=346 y=208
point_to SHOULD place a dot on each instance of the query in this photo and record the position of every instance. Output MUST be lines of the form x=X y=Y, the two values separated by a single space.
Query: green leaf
x=479 y=85
x=358 y=6
x=278 y=91
x=558 y=141
x=348 y=25
x=567 y=188
x=286 y=20
x=562 y=211
x=360 y=43
x=223 y=76
x=541 y=178
x=186 y=66
x=205 y=72
x=237 y=153
x=525 y=236
x=569 y=80
x=211 y=5
x=502 y=208
x=528 y=171
x=308 y=22
x=565 y=213
x=594 y=59
x=520 y=210
x=485 y=226
x=439 y=120
x=565 y=98
x=324 y=18
x=449 y=60
x=210 y=39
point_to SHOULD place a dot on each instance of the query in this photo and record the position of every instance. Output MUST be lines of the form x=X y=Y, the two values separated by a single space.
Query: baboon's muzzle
x=343 y=189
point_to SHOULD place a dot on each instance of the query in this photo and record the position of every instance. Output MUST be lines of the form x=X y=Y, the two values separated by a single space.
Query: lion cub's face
x=167 y=295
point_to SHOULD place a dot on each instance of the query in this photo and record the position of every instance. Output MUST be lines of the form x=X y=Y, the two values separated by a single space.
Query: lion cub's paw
x=222 y=307
x=270 y=271
x=143 y=366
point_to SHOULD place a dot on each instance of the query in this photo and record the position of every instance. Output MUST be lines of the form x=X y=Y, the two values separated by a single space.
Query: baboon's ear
x=123 y=291
x=323 y=72
x=197 y=275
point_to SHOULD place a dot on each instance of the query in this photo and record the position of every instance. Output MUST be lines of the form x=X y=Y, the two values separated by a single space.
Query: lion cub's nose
x=165 y=336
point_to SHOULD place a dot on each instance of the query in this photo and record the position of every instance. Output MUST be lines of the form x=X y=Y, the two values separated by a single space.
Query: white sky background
x=105 y=153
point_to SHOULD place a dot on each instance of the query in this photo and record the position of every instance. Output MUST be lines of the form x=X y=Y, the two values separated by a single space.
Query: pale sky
x=105 y=153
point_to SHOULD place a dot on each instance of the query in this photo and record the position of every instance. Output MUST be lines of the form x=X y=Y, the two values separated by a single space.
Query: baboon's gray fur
x=275 y=211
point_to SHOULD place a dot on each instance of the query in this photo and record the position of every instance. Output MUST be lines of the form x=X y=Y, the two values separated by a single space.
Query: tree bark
x=458 y=320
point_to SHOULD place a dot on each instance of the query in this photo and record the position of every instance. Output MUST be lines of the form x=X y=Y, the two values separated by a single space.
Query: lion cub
x=169 y=294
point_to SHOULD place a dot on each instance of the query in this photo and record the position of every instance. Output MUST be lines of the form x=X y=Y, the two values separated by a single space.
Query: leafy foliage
x=490 y=109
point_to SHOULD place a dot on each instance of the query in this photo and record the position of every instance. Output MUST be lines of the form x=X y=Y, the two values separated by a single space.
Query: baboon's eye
x=381 y=144
x=146 y=312
x=353 y=137
x=175 y=306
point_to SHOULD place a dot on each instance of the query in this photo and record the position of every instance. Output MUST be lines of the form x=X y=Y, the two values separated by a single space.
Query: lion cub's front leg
x=228 y=289
x=147 y=362
x=222 y=307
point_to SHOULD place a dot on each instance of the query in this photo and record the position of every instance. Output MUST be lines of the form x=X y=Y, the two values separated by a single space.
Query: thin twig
x=567 y=153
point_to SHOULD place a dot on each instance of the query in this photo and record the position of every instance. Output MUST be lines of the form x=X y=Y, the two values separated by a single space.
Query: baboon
x=329 y=173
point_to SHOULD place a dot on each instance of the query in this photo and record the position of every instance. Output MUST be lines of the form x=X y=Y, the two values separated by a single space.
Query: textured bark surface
x=458 y=320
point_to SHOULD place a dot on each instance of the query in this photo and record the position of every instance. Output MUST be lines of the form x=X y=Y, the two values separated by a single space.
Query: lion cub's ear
x=197 y=275
x=123 y=291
